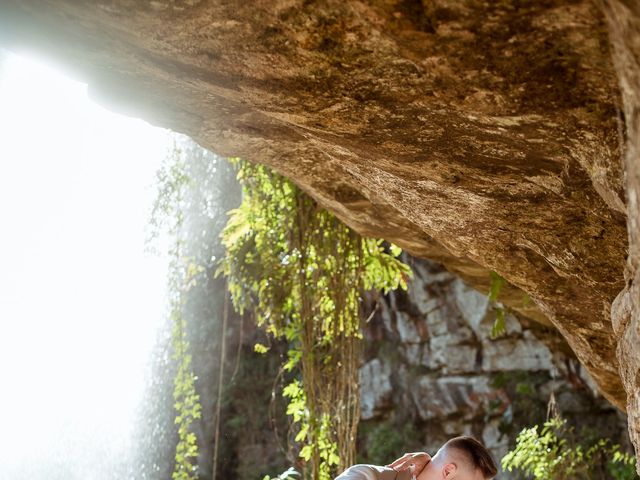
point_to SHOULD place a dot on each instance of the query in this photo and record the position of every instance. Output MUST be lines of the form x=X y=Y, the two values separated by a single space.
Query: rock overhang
x=486 y=136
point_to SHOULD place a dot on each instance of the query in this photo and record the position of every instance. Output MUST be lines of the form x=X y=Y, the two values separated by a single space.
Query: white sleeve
x=359 y=472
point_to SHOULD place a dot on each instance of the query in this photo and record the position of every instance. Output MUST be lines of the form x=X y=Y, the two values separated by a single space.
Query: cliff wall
x=433 y=371
x=484 y=135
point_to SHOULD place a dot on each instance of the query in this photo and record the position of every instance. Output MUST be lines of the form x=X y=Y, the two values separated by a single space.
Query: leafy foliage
x=302 y=273
x=553 y=451
x=186 y=403
x=168 y=214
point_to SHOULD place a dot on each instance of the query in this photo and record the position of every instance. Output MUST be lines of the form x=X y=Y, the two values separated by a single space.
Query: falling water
x=209 y=192
x=85 y=344
x=81 y=303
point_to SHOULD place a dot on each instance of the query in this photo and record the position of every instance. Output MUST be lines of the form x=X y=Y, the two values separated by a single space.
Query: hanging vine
x=185 y=397
x=303 y=273
x=168 y=215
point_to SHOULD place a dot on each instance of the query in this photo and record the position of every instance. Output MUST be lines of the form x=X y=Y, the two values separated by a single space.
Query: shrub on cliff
x=554 y=451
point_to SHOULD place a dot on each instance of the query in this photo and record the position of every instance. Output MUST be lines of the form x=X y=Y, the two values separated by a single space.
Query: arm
x=367 y=472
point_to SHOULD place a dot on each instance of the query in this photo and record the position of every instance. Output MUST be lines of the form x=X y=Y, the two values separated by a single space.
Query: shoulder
x=367 y=472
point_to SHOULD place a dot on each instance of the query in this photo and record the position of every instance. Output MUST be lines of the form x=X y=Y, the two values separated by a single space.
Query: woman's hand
x=415 y=462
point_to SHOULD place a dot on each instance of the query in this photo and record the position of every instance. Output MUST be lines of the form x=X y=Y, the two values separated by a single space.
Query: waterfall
x=209 y=190
x=80 y=300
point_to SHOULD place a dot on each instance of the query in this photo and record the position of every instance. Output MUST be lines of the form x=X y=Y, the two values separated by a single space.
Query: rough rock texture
x=624 y=22
x=430 y=371
x=431 y=364
x=485 y=135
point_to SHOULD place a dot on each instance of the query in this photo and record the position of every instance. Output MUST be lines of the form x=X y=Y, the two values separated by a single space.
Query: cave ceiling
x=485 y=135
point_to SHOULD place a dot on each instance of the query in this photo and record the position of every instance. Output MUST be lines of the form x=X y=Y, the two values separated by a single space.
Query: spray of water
x=80 y=301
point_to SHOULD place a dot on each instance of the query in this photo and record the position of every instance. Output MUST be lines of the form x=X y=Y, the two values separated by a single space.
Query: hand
x=415 y=462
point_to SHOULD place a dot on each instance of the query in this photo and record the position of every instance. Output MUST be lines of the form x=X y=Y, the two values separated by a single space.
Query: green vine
x=185 y=397
x=168 y=215
x=302 y=273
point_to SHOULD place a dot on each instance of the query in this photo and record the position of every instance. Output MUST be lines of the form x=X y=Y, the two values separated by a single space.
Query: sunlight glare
x=80 y=302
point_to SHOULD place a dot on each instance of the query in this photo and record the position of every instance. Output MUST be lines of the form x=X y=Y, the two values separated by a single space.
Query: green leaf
x=496 y=285
x=499 y=327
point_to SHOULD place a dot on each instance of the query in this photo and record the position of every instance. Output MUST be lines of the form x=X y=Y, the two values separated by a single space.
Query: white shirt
x=373 y=472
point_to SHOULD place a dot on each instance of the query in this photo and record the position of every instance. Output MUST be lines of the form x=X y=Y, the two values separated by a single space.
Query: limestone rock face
x=375 y=388
x=452 y=378
x=485 y=135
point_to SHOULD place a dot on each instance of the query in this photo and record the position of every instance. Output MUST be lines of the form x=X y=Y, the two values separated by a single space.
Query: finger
x=400 y=460
x=407 y=463
x=422 y=457
x=408 y=459
x=397 y=462
x=414 y=461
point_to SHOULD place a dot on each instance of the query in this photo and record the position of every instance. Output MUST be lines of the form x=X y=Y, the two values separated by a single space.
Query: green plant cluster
x=302 y=272
x=555 y=451
x=265 y=242
x=186 y=401
x=168 y=214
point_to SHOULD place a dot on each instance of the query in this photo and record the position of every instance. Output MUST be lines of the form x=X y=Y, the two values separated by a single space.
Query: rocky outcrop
x=485 y=135
x=448 y=377
x=624 y=23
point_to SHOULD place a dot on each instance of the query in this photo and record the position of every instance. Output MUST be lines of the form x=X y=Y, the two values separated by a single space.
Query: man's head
x=461 y=458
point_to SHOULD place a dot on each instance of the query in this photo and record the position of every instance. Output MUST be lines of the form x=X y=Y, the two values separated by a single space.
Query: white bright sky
x=80 y=301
